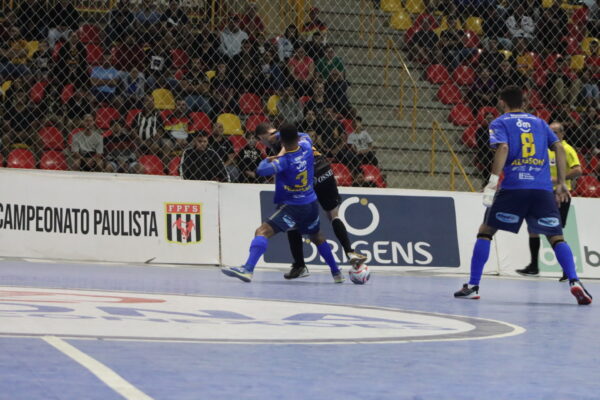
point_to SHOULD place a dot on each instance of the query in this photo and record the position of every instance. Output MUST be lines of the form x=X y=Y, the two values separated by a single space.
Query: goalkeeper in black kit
x=329 y=198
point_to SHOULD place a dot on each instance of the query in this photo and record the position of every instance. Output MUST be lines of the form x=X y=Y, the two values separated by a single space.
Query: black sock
x=534 y=249
x=342 y=234
x=295 y=240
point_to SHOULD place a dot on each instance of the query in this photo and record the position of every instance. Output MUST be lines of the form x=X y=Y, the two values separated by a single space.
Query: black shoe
x=297 y=271
x=468 y=292
x=528 y=271
x=563 y=278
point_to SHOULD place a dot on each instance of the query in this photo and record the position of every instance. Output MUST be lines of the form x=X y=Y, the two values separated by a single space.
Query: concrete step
x=420 y=160
x=374 y=113
x=423 y=181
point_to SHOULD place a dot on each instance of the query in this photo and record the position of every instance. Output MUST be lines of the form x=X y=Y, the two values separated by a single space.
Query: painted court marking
x=101 y=371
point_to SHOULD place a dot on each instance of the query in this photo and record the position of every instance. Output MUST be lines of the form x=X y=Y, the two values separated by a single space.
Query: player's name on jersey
x=528 y=161
x=23 y=217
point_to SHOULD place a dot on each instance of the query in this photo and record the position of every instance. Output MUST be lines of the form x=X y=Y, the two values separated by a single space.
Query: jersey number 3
x=528 y=144
x=303 y=178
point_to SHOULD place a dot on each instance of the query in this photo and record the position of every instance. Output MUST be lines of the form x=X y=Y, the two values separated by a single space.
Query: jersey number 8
x=528 y=144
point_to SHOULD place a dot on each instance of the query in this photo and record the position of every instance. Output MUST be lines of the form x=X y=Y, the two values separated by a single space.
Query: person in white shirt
x=362 y=145
x=520 y=25
x=232 y=37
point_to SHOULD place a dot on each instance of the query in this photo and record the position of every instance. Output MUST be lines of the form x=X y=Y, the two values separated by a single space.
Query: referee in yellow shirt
x=573 y=171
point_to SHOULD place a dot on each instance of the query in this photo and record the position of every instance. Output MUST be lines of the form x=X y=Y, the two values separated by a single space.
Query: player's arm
x=268 y=167
x=499 y=141
x=562 y=192
x=574 y=170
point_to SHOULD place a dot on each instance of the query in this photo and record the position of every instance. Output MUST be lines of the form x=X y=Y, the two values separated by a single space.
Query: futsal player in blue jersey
x=522 y=142
x=296 y=199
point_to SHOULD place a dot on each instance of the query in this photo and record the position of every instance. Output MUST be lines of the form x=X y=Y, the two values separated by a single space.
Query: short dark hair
x=288 y=133
x=512 y=96
x=262 y=128
x=201 y=133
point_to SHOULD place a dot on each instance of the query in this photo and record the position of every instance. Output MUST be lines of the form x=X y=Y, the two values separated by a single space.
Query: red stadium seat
x=105 y=116
x=56 y=50
x=575 y=115
x=594 y=165
x=449 y=93
x=53 y=160
x=180 y=58
x=576 y=31
x=67 y=92
x=533 y=98
x=373 y=174
x=469 y=136
x=461 y=115
x=201 y=122
x=89 y=33
x=348 y=125
x=166 y=114
x=250 y=103
x=238 y=142
x=587 y=186
x=253 y=121
x=342 y=174
x=174 y=166
x=580 y=16
x=151 y=165
x=38 y=92
x=20 y=158
x=471 y=40
x=438 y=74
x=130 y=117
x=304 y=99
x=573 y=46
x=1 y=161
x=486 y=110
x=52 y=138
x=543 y=113
x=474 y=61
x=464 y=75
x=550 y=62
x=95 y=54
x=540 y=77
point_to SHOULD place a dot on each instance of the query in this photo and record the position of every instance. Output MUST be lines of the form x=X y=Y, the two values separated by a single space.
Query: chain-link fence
x=394 y=92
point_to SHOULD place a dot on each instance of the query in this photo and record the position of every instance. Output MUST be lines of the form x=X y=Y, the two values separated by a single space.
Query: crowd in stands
x=150 y=85
x=551 y=48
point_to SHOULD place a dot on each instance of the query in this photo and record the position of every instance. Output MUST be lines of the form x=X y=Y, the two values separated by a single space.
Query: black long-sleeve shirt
x=203 y=165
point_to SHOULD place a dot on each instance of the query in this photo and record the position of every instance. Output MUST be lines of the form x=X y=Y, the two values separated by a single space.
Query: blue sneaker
x=238 y=272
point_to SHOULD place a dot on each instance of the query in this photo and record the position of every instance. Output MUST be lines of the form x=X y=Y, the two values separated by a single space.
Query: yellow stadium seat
x=272 y=105
x=585 y=44
x=578 y=62
x=211 y=74
x=525 y=62
x=414 y=6
x=401 y=21
x=231 y=124
x=506 y=53
x=444 y=25
x=5 y=87
x=32 y=47
x=474 y=24
x=391 y=5
x=548 y=3
x=163 y=99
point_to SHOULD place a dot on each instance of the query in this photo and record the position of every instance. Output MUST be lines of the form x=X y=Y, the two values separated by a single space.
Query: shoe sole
x=582 y=298
x=526 y=274
x=234 y=274
x=476 y=297
x=297 y=277
x=357 y=262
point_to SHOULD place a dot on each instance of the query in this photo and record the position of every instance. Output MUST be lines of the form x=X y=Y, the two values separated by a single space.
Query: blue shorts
x=304 y=218
x=538 y=207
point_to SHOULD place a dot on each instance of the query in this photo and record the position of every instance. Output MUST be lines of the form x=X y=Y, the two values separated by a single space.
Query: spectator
x=593 y=60
x=314 y=24
x=178 y=124
x=147 y=22
x=272 y=77
x=490 y=56
x=287 y=43
x=199 y=162
x=566 y=117
x=104 y=80
x=196 y=88
x=315 y=47
x=586 y=134
x=41 y=62
x=225 y=100
x=331 y=133
x=309 y=123
x=361 y=144
x=133 y=87
x=317 y=102
x=120 y=23
x=62 y=20
x=208 y=53
x=360 y=181
x=495 y=28
x=247 y=161
x=79 y=105
x=301 y=69
x=290 y=108
x=20 y=120
x=232 y=37
x=119 y=149
x=562 y=85
x=424 y=41
x=13 y=56
x=129 y=54
x=520 y=24
x=329 y=63
x=174 y=17
x=147 y=122
x=71 y=65
x=552 y=27
x=590 y=92
x=252 y=23
x=453 y=46
x=336 y=89
x=160 y=61
x=245 y=67
x=485 y=155
x=31 y=19
x=224 y=148
x=507 y=75
x=87 y=147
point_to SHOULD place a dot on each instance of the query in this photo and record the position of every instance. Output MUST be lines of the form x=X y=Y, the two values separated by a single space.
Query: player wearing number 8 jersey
x=522 y=142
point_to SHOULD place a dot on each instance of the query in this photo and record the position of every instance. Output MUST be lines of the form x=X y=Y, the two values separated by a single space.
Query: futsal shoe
x=528 y=271
x=468 y=292
x=583 y=296
x=563 y=278
x=339 y=277
x=297 y=271
x=238 y=272
x=356 y=259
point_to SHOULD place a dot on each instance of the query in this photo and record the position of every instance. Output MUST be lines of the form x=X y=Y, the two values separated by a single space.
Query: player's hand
x=272 y=158
x=562 y=193
x=489 y=192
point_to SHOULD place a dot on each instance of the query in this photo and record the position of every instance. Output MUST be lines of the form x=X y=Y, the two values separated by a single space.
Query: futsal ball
x=361 y=275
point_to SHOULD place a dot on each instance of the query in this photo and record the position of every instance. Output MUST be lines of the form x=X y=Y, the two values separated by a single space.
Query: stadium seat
x=253 y=121
x=238 y=142
x=105 y=116
x=67 y=92
x=471 y=40
x=95 y=54
x=444 y=25
x=528 y=62
x=163 y=99
x=400 y=21
x=130 y=117
x=461 y=115
x=580 y=16
x=585 y=45
x=179 y=58
x=594 y=165
x=550 y=61
x=543 y=113
x=151 y=165
x=373 y=174
x=533 y=99
x=1 y=160
x=5 y=86
x=572 y=45
x=165 y=115
x=250 y=103
x=506 y=53
x=474 y=61
x=587 y=186
x=577 y=62
x=89 y=33
x=272 y=105
x=53 y=160
x=414 y=6
x=342 y=174
x=231 y=124
x=469 y=136
x=304 y=99
x=56 y=50
x=391 y=6
x=20 y=158
x=547 y=3
x=438 y=74
x=201 y=122
x=540 y=77
x=474 y=24
x=576 y=116
x=347 y=124
x=486 y=110
x=211 y=74
x=174 y=166
x=449 y=93
x=32 y=48
x=38 y=92
x=464 y=75
x=52 y=138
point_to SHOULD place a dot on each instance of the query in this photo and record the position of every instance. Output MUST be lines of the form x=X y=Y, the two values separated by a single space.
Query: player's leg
x=325 y=251
x=534 y=249
x=481 y=254
x=355 y=258
x=299 y=269
x=564 y=255
x=563 y=209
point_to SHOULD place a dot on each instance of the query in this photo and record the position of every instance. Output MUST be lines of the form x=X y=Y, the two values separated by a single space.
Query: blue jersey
x=294 y=174
x=528 y=139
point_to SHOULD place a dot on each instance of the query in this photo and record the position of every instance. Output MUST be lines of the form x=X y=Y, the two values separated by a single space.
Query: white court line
x=102 y=372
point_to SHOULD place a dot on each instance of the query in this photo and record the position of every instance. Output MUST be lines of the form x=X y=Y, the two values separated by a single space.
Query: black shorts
x=327 y=190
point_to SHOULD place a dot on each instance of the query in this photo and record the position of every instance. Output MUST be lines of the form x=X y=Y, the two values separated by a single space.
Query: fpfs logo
x=183 y=222
x=389 y=230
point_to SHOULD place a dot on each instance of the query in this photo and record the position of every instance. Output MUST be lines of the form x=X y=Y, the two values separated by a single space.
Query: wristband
x=494 y=180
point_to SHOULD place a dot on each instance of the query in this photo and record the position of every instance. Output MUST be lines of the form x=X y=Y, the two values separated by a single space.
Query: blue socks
x=481 y=253
x=325 y=252
x=563 y=253
x=257 y=249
